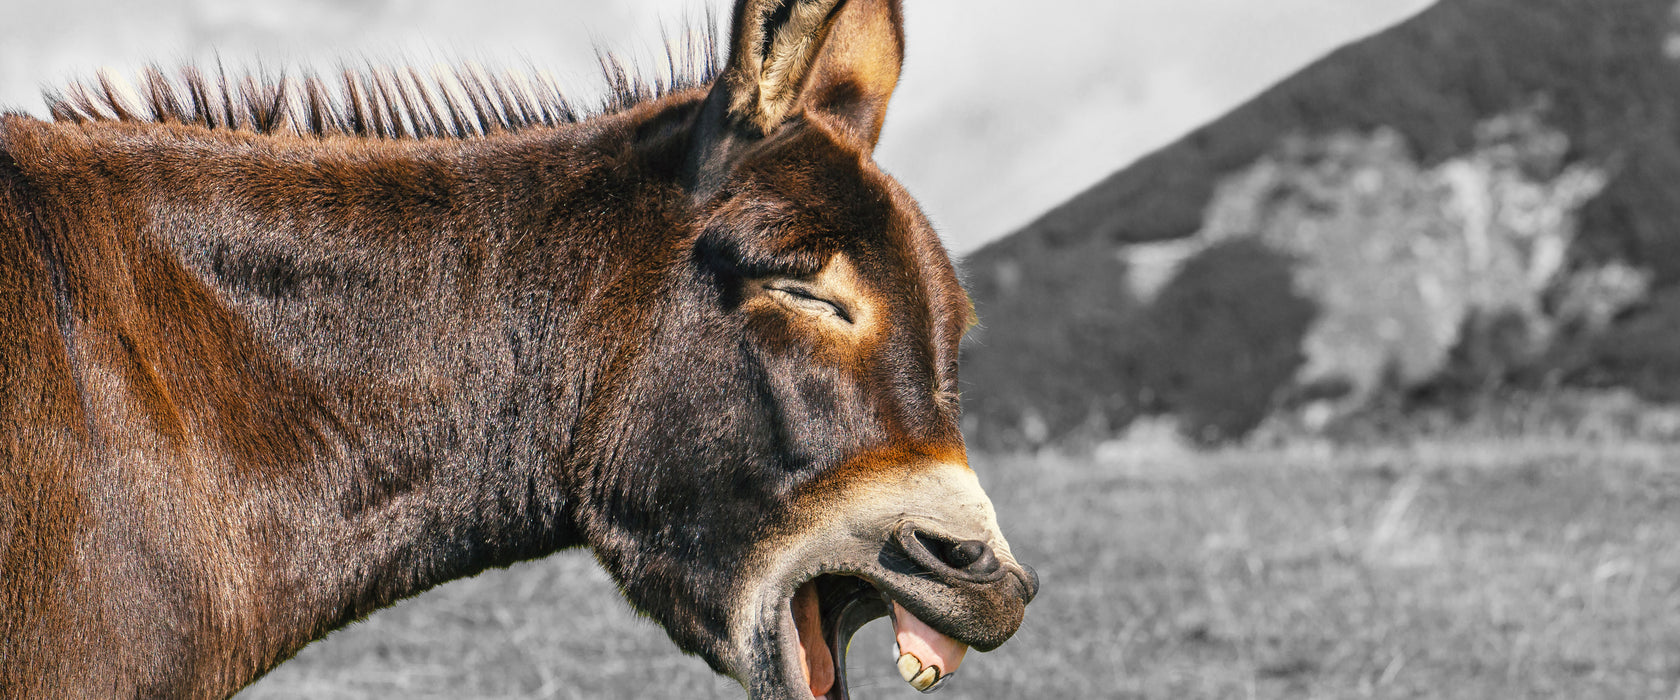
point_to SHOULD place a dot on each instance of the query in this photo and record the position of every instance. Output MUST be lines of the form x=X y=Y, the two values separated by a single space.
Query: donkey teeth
x=908 y=666
x=939 y=683
x=923 y=678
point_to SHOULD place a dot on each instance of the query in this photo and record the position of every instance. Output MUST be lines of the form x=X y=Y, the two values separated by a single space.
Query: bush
x=1226 y=338
x=1643 y=351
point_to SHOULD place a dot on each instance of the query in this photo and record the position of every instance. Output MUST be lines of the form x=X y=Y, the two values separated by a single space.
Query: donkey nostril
x=971 y=560
x=973 y=556
x=964 y=553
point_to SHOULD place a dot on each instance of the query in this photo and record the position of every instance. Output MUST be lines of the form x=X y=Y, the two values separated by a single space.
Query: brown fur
x=263 y=374
x=380 y=102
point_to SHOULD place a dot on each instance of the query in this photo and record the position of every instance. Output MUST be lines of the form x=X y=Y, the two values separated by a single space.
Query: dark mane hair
x=383 y=101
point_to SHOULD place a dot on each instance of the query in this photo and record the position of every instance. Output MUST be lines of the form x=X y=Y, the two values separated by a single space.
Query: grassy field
x=1532 y=568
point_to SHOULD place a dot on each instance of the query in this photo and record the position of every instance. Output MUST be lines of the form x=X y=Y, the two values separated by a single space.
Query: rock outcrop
x=1481 y=195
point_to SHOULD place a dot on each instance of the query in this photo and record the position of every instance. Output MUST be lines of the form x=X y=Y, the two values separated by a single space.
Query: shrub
x=1225 y=338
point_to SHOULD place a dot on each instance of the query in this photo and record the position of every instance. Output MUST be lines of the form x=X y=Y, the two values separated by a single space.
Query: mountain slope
x=1066 y=342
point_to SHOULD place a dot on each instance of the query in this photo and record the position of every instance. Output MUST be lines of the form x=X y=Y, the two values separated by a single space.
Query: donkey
x=271 y=362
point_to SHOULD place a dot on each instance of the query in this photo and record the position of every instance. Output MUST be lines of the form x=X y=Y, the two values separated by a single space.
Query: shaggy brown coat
x=263 y=372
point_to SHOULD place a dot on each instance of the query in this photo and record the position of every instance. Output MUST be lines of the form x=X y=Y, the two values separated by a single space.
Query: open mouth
x=829 y=609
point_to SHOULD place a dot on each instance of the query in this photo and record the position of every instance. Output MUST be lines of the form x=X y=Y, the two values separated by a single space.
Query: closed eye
x=803 y=298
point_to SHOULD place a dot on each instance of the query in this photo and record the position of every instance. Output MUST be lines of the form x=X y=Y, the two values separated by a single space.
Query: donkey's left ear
x=835 y=59
x=858 y=67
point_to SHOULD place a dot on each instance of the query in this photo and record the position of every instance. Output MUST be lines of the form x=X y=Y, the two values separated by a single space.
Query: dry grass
x=1468 y=569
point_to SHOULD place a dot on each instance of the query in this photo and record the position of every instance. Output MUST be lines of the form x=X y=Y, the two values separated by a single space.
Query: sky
x=1005 y=109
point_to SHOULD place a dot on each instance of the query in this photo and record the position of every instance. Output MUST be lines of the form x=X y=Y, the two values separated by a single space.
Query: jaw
x=812 y=636
x=827 y=582
x=808 y=637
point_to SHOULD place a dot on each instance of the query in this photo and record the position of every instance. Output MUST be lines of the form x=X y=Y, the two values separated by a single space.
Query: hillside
x=1089 y=320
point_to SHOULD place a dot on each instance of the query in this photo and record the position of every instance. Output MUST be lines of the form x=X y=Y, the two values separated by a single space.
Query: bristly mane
x=381 y=101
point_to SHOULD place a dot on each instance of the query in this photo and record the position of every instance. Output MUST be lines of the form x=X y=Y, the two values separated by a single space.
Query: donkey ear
x=772 y=46
x=838 y=58
x=858 y=67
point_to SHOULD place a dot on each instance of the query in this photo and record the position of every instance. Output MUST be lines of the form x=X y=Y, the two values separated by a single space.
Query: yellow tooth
x=925 y=679
x=909 y=666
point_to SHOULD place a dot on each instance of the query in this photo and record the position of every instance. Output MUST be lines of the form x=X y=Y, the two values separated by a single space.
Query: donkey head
x=795 y=467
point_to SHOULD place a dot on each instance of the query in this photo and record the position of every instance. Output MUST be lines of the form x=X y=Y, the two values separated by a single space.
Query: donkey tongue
x=814 y=655
x=925 y=657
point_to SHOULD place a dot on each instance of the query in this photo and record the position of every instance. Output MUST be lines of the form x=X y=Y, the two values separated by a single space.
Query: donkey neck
x=398 y=340
x=454 y=315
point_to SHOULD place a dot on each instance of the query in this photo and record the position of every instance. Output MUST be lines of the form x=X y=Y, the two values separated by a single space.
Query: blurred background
x=1328 y=347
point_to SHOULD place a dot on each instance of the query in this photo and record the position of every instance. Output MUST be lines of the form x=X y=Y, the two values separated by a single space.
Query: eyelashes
x=801 y=297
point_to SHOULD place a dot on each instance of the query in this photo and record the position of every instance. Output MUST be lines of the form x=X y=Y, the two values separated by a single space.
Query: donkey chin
x=923 y=549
